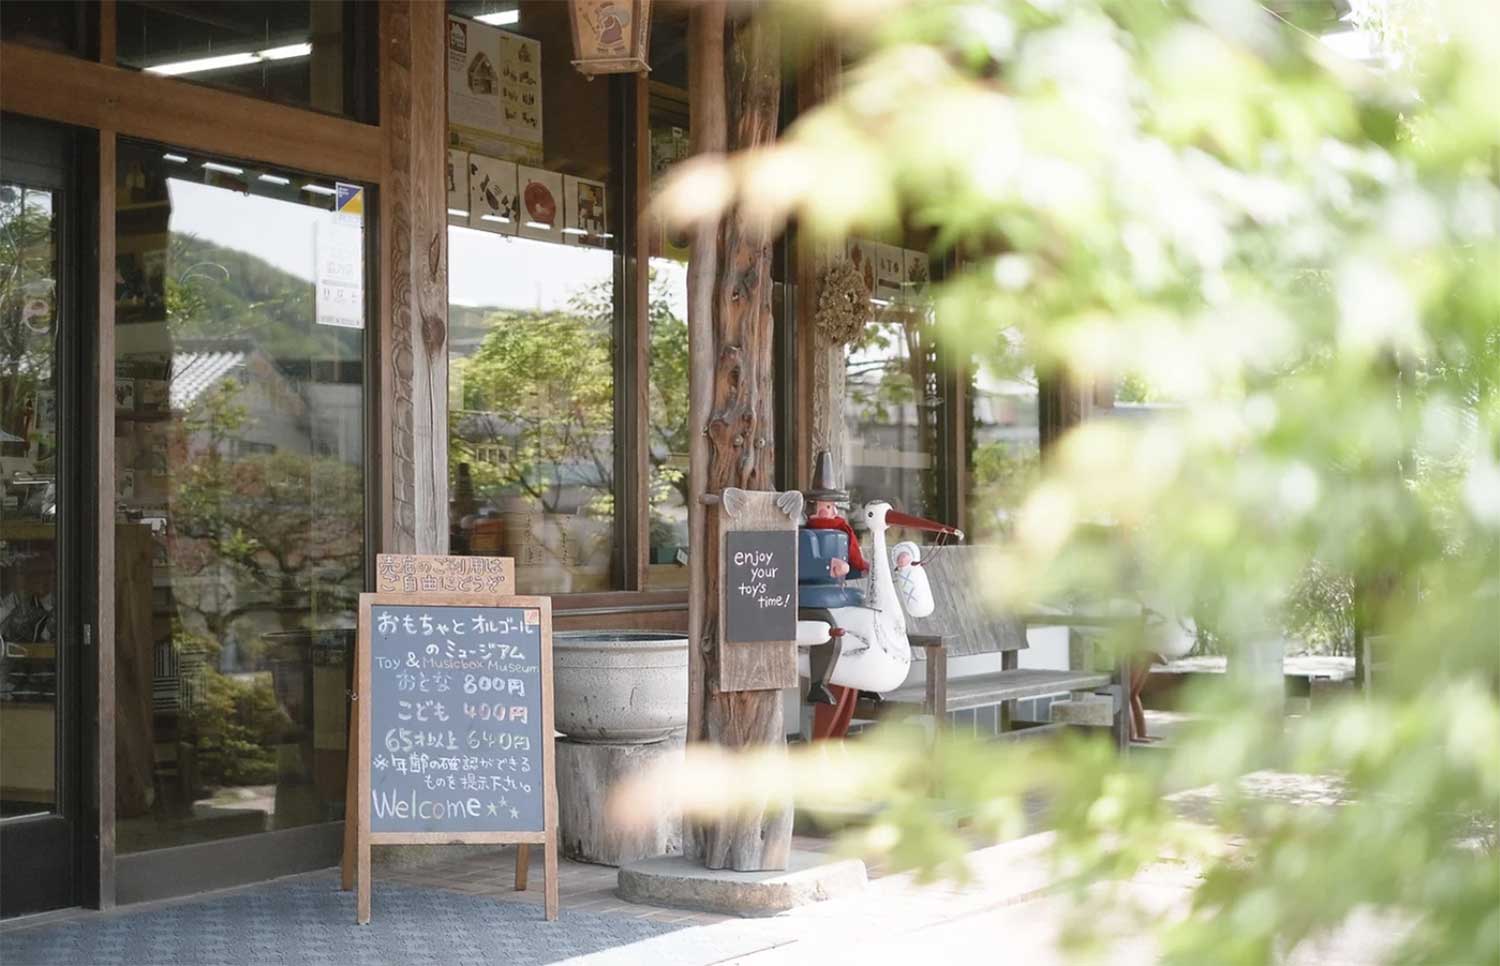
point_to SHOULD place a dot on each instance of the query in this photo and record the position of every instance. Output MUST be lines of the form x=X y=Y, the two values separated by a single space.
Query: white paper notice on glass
x=340 y=297
x=587 y=222
x=492 y=199
x=541 y=203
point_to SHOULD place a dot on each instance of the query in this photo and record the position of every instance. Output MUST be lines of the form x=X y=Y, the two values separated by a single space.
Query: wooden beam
x=104 y=517
x=631 y=145
x=816 y=82
x=638 y=497
x=413 y=338
x=108 y=31
x=708 y=131
x=136 y=104
x=740 y=428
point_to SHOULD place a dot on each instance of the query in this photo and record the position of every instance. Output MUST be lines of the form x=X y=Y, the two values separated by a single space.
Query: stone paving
x=465 y=910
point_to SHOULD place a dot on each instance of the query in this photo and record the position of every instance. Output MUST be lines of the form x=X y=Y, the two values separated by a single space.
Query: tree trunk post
x=736 y=74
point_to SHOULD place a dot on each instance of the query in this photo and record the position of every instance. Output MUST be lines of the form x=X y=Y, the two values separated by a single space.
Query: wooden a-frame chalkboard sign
x=453 y=704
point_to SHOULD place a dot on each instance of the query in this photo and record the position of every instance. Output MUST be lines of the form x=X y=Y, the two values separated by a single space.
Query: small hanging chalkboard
x=454 y=711
x=760 y=586
x=756 y=586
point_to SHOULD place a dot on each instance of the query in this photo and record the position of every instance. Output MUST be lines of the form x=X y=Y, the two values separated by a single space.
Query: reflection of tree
x=26 y=266
x=538 y=406
x=537 y=414
x=667 y=429
x=887 y=373
x=270 y=531
x=258 y=542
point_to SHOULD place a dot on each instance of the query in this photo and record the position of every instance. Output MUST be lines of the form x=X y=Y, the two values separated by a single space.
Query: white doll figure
x=910 y=579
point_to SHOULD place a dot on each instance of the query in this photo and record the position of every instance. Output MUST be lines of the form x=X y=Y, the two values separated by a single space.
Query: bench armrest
x=927 y=640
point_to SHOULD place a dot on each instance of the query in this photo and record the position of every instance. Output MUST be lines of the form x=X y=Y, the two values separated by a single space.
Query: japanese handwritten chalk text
x=455 y=719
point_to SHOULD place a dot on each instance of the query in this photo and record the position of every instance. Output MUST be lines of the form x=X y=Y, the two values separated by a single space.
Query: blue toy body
x=816 y=587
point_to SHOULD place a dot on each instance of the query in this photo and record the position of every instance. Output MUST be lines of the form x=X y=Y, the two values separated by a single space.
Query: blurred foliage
x=1301 y=253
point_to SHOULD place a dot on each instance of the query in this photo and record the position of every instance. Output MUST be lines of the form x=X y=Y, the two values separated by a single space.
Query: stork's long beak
x=910 y=522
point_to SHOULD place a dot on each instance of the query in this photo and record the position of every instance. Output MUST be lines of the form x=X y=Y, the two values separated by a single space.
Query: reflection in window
x=890 y=413
x=531 y=407
x=667 y=426
x=307 y=53
x=1004 y=444
x=28 y=500
x=44 y=23
x=239 y=447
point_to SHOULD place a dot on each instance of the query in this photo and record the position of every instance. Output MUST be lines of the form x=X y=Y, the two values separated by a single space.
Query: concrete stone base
x=682 y=883
x=586 y=775
x=1096 y=710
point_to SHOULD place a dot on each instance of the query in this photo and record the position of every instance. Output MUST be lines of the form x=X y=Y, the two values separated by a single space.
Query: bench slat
x=983 y=690
x=963 y=613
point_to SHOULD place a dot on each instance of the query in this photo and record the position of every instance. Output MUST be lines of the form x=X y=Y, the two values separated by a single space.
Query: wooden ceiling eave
x=57 y=87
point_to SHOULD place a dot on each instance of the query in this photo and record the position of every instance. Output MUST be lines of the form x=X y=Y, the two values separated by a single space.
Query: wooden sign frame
x=759 y=665
x=357 y=835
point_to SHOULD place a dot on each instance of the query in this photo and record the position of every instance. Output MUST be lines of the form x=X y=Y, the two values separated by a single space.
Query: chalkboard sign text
x=760 y=585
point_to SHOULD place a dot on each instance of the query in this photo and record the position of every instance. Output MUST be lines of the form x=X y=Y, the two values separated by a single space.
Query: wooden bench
x=964 y=623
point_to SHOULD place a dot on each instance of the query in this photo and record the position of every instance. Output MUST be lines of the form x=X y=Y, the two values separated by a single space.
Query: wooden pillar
x=413 y=341
x=730 y=329
x=820 y=363
x=103 y=516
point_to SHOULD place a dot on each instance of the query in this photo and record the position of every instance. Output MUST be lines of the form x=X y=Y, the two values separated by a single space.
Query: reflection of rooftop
x=194 y=373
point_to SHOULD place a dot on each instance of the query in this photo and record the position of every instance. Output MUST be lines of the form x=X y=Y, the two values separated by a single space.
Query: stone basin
x=620 y=687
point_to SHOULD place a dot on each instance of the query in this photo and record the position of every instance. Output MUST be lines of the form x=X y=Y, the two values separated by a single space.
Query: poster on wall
x=918 y=274
x=861 y=255
x=458 y=187
x=494 y=91
x=890 y=271
x=492 y=203
x=521 y=93
x=584 y=207
x=541 y=203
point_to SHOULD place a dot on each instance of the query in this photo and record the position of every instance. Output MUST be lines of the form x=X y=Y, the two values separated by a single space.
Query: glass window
x=44 y=23
x=533 y=308
x=667 y=437
x=890 y=413
x=240 y=511
x=667 y=426
x=28 y=500
x=308 y=53
x=1004 y=443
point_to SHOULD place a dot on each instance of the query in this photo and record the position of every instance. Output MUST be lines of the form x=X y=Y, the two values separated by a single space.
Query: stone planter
x=619 y=687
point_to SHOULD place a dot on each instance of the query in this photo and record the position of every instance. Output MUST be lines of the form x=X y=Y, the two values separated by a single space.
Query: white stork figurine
x=876 y=655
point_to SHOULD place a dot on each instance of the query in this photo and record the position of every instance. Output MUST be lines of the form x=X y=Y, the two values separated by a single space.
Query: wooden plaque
x=757 y=557
x=412 y=573
x=454 y=738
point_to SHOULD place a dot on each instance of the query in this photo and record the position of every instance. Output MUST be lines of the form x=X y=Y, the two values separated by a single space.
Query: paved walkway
x=465 y=910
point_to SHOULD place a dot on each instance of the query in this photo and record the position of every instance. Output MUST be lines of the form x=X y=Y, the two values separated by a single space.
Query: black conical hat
x=825 y=486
